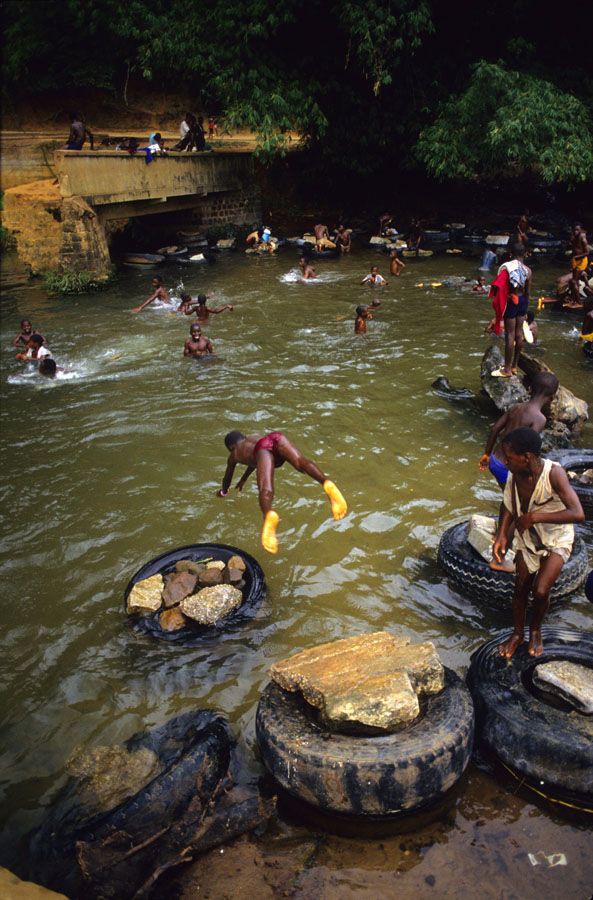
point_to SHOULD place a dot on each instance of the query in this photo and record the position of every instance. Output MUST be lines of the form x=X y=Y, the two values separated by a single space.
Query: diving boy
x=263 y=455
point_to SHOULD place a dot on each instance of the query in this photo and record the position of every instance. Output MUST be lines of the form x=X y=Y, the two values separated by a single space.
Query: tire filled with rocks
x=361 y=769
x=194 y=590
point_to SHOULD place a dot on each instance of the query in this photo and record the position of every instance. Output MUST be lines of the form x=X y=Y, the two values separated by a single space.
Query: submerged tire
x=543 y=743
x=253 y=592
x=367 y=776
x=473 y=576
x=577 y=461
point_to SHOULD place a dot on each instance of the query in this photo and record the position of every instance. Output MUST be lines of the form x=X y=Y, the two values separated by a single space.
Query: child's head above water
x=530 y=317
x=47 y=367
x=35 y=340
x=361 y=311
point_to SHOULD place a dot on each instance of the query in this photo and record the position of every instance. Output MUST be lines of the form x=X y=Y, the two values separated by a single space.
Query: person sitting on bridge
x=264 y=455
x=78 y=133
x=159 y=292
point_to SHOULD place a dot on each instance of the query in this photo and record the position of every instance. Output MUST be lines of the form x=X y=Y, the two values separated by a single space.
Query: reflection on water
x=121 y=461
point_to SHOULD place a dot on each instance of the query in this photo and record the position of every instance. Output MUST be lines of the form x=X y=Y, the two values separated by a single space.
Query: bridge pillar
x=54 y=233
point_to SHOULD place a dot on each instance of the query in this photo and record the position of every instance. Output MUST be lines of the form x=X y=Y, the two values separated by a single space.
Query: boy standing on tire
x=540 y=502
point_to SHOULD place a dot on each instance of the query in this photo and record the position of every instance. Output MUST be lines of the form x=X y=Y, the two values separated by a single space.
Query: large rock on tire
x=577 y=461
x=549 y=745
x=367 y=776
x=472 y=575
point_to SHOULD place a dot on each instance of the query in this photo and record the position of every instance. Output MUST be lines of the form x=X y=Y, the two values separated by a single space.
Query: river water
x=121 y=459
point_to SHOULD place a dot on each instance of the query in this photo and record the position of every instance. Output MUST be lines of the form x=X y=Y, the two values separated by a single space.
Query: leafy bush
x=73 y=282
x=507 y=123
x=7 y=240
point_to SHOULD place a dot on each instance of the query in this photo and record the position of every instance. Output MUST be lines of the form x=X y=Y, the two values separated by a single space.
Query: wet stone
x=215 y=564
x=188 y=565
x=178 y=588
x=212 y=604
x=145 y=596
x=567 y=680
x=367 y=682
x=109 y=775
x=234 y=575
x=172 y=619
x=236 y=562
x=210 y=577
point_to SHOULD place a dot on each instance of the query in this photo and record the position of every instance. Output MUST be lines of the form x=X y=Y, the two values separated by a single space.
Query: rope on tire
x=525 y=783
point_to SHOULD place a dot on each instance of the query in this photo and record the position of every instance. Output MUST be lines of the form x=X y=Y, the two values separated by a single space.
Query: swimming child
x=24 y=334
x=159 y=292
x=263 y=455
x=540 y=502
x=48 y=367
x=362 y=314
x=396 y=265
x=480 y=287
x=35 y=348
x=197 y=345
x=374 y=279
x=203 y=311
x=307 y=269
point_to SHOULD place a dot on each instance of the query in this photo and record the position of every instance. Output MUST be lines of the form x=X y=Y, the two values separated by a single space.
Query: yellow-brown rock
x=369 y=682
x=236 y=562
x=172 y=619
x=12 y=888
x=145 y=596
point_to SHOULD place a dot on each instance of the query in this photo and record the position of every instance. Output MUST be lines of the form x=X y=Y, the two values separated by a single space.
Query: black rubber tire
x=540 y=741
x=253 y=593
x=473 y=576
x=309 y=251
x=367 y=776
x=578 y=460
x=433 y=236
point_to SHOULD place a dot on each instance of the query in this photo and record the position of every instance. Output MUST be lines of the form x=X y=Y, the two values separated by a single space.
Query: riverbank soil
x=486 y=834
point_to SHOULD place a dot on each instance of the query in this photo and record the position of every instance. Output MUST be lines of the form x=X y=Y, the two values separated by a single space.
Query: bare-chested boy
x=307 y=269
x=264 y=455
x=579 y=261
x=540 y=502
x=24 y=334
x=360 y=323
x=396 y=265
x=197 y=345
x=159 y=292
x=203 y=310
x=530 y=414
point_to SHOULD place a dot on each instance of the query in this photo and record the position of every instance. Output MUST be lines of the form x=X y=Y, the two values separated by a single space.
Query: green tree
x=507 y=123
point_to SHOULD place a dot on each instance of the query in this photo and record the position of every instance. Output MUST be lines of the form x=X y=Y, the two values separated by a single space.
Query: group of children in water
x=35 y=349
x=539 y=506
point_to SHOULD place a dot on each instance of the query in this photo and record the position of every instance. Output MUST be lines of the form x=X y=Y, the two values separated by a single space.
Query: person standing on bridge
x=78 y=133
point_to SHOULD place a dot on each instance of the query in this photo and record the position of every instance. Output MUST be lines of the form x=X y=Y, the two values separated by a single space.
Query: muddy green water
x=121 y=461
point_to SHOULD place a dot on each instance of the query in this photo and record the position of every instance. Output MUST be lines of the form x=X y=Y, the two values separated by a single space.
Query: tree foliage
x=507 y=123
x=471 y=89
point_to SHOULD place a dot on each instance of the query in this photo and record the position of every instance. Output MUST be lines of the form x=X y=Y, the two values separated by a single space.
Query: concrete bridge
x=66 y=226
